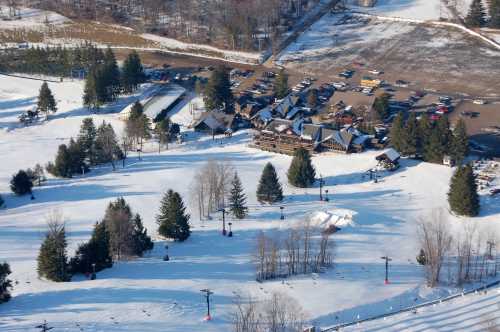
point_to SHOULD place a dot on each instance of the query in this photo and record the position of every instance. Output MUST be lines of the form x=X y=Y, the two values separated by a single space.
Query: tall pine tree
x=281 y=84
x=397 y=133
x=476 y=16
x=111 y=74
x=5 y=283
x=52 y=260
x=86 y=139
x=269 y=189
x=95 y=251
x=46 y=101
x=494 y=9
x=463 y=197
x=301 y=172
x=142 y=241
x=132 y=72
x=237 y=198
x=411 y=136
x=218 y=94
x=459 y=147
x=173 y=220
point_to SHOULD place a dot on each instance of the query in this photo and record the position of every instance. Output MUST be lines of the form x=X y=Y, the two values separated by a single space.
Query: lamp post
x=230 y=234
x=326 y=195
x=93 y=276
x=207 y=293
x=321 y=183
x=282 y=217
x=387 y=260
x=223 y=221
x=166 y=258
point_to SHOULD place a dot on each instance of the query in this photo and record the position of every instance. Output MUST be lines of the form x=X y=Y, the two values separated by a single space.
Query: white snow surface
x=148 y=294
x=409 y=9
x=30 y=18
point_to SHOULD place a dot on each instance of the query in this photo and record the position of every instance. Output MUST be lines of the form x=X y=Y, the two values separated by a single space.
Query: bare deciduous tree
x=435 y=239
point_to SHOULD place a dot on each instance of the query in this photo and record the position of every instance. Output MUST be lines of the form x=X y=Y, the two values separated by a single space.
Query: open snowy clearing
x=149 y=294
x=431 y=57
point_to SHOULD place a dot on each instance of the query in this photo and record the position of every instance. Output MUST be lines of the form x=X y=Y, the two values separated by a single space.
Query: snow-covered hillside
x=149 y=294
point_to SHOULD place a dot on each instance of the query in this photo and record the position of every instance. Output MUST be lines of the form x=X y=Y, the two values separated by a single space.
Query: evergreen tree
x=424 y=132
x=142 y=241
x=459 y=143
x=172 y=220
x=21 y=183
x=218 y=94
x=5 y=283
x=433 y=150
x=281 y=84
x=106 y=147
x=95 y=251
x=46 y=102
x=132 y=72
x=1 y=201
x=90 y=99
x=269 y=189
x=162 y=131
x=76 y=158
x=381 y=106
x=411 y=136
x=62 y=165
x=237 y=198
x=86 y=139
x=494 y=9
x=476 y=16
x=397 y=133
x=301 y=172
x=111 y=74
x=463 y=197
x=52 y=260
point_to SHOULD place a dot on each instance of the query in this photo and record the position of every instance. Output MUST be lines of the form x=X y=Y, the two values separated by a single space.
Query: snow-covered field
x=149 y=294
x=30 y=18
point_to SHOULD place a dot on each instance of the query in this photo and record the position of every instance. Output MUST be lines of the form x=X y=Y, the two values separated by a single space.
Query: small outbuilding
x=389 y=159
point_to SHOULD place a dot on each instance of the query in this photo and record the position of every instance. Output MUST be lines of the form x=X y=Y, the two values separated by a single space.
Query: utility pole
x=321 y=184
x=207 y=292
x=223 y=221
x=490 y=244
x=387 y=260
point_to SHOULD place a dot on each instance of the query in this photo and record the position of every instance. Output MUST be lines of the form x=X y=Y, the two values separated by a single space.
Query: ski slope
x=149 y=294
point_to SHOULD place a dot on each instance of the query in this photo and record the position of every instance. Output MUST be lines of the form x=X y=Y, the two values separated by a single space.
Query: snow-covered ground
x=30 y=18
x=149 y=294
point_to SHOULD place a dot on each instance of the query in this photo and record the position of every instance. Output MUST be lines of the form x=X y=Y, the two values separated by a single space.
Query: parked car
x=479 y=102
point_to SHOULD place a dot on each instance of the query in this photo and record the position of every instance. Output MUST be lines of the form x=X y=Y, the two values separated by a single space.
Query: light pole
x=230 y=234
x=223 y=221
x=282 y=217
x=326 y=195
x=93 y=276
x=387 y=260
x=321 y=183
x=166 y=258
x=207 y=293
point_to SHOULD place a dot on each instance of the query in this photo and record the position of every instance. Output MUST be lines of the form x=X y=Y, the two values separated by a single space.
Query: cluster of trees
x=105 y=81
x=299 y=251
x=52 y=61
x=93 y=146
x=120 y=235
x=23 y=181
x=233 y=23
x=217 y=93
x=462 y=196
x=465 y=257
x=477 y=15
x=279 y=313
x=5 y=282
x=429 y=140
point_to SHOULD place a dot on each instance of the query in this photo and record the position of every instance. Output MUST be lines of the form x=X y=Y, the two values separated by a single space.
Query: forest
x=234 y=24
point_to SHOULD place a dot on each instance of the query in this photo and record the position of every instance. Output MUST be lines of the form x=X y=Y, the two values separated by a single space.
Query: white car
x=375 y=72
x=479 y=102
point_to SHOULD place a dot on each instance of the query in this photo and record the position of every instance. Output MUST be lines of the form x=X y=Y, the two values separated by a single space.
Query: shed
x=389 y=159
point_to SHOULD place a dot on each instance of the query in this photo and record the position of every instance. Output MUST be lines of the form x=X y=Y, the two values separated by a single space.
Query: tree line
x=238 y=25
x=431 y=141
